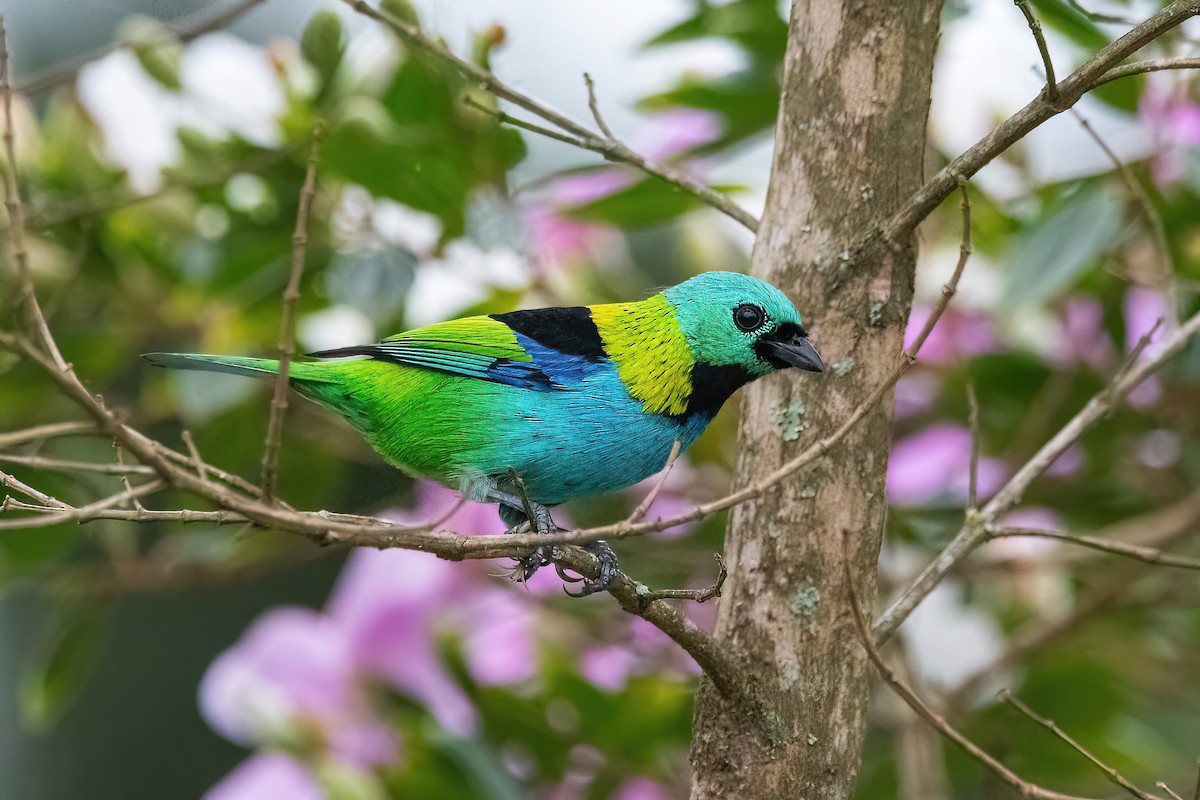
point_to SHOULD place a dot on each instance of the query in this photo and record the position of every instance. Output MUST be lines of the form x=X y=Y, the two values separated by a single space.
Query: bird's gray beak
x=788 y=346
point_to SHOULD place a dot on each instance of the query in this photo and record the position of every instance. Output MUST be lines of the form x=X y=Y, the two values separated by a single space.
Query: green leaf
x=650 y=201
x=57 y=676
x=1058 y=249
x=323 y=44
x=157 y=48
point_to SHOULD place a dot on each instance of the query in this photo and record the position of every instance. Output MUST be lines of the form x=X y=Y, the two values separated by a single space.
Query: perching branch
x=576 y=134
x=287 y=325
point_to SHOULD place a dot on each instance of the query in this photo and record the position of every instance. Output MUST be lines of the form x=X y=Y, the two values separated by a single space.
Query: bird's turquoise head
x=733 y=320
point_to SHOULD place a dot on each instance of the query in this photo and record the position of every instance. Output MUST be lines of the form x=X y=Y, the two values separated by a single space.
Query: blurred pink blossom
x=1067 y=464
x=958 y=334
x=1174 y=121
x=293 y=671
x=643 y=789
x=269 y=776
x=1143 y=308
x=608 y=667
x=560 y=240
x=935 y=463
x=676 y=131
x=385 y=601
x=1083 y=339
x=915 y=392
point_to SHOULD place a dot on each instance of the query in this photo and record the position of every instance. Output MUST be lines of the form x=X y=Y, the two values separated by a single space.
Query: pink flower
x=958 y=334
x=935 y=462
x=294 y=673
x=385 y=601
x=1174 y=121
x=643 y=789
x=271 y=776
x=677 y=131
x=1083 y=339
x=1143 y=309
x=608 y=667
x=500 y=642
x=915 y=392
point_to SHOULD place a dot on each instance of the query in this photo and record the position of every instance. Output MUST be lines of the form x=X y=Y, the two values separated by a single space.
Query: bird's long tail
x=321 y=381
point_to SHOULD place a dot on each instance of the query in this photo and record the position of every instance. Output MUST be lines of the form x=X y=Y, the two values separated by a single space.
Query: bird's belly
x=575 y=449
x=469 y=434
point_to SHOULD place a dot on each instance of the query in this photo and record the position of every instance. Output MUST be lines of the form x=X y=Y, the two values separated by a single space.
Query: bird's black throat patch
x=568 y=330
x=711 y=386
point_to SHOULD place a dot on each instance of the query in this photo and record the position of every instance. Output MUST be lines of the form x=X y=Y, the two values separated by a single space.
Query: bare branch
x=1035 y=28
x=60 y=75
x=1023 y=787
x=1149 y=555
x=59 y=465
x=287 y=326
x=603 y=143
x=1171 y=794
x=1092 y=73
x=973 y=423
x=1145 y=67
x=16 y=215
x=42 y=432
x=1139 y=195
x=1049 y=724
x=9 y=482
x=652 y=495
x=82 y=514
x=974 y=532
x=695 y=595
x=594 y=105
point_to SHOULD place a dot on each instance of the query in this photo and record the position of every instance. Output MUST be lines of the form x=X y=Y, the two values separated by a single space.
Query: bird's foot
x=521 y=514
x=608 y=571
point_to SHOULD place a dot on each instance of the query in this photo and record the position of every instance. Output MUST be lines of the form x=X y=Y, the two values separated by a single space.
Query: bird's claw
x=608 y=571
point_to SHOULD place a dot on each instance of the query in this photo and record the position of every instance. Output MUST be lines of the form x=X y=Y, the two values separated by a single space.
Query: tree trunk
x=849 y=150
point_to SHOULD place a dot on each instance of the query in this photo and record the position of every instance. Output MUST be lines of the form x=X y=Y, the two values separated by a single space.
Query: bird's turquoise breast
x=588 y=440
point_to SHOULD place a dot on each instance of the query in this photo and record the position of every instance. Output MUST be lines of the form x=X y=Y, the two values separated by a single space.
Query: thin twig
x=1023 y=787
x=85 y=513
x=1035 y=27
x=1146 y=67
x=61 y=75
x=1049 y=724
x=652 y=495
x=16 y=215
x=974 y=532
x=287 y=326
x=42 y=432
x=594 y=105
x=1158 y=231
x=604 y=144
x=973 y=424
x=1170 y=793
x=194 y=452
x=695 y=595
x=10 y=482
x=1149 y=555
x=60 y=465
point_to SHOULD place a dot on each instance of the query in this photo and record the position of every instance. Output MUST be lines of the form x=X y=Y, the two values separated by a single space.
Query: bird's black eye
x=749 y=317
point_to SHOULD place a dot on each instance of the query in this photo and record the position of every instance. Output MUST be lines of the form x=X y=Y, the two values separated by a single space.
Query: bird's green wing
x=475 y=347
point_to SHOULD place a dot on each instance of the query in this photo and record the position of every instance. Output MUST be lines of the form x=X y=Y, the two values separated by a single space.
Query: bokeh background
x=165 y=661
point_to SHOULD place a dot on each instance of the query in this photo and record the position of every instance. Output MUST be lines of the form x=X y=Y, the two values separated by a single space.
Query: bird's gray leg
x=515 y=510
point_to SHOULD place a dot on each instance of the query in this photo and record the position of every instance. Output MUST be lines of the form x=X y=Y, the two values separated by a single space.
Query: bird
x=529 y=409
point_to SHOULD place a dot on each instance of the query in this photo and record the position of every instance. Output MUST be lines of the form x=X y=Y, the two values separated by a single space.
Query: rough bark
x=849 y=150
